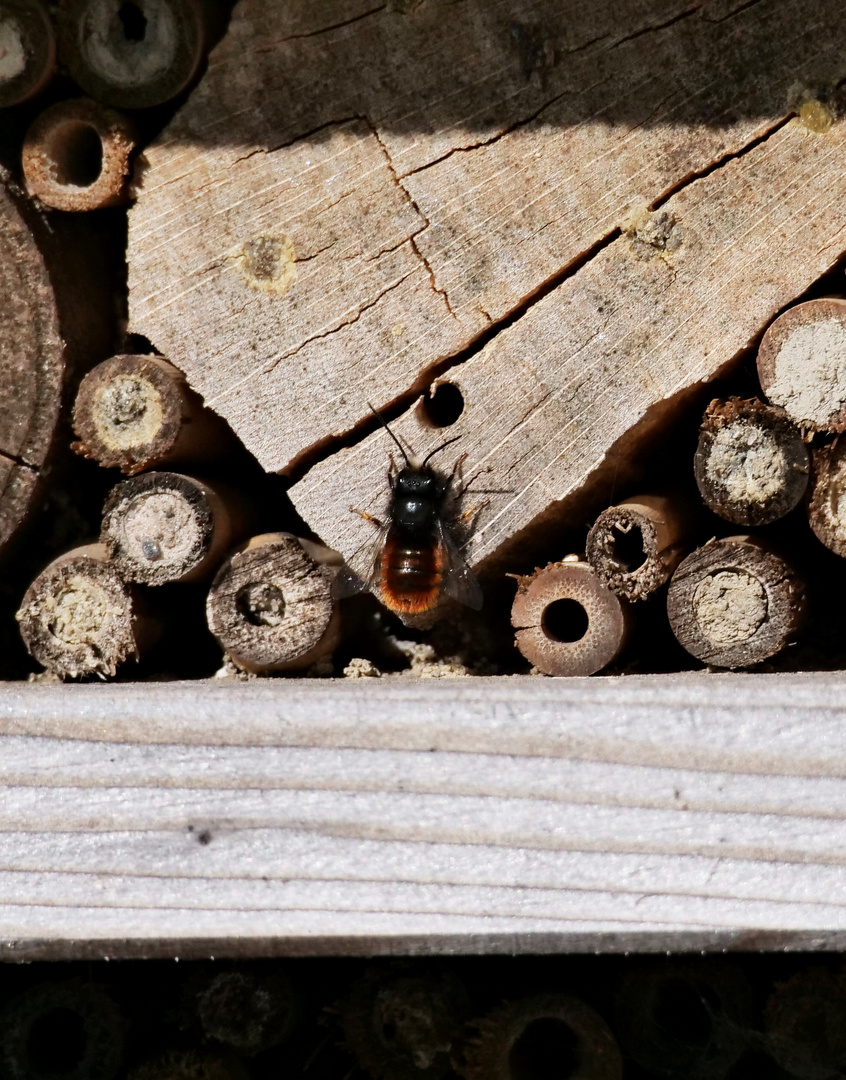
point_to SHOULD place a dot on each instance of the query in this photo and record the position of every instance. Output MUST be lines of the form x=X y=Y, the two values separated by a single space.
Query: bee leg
x=457 y=472
x=462 y=491
x=473 y=512
x=367 y=517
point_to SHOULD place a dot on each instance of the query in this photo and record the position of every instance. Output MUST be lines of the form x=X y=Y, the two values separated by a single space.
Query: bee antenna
x=384 y=424
x=438 y=449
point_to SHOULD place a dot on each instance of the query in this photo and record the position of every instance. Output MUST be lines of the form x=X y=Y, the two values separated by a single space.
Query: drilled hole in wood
x=443 y=407
x=134 y=22
x=547 y=1049
x=627 y=548
x=565 y=620
x=56 y=1042
x=76 y=150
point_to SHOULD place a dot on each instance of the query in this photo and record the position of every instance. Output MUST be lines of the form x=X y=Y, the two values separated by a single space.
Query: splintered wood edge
x=667 y=776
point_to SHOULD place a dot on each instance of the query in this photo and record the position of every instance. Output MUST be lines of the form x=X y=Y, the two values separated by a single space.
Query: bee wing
x=361 y=571
x=459 y=580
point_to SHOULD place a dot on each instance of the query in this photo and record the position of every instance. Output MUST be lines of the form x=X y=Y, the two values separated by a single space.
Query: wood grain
x=425 y=176
x=32 y=361
x=484 y=815
x=559 y=396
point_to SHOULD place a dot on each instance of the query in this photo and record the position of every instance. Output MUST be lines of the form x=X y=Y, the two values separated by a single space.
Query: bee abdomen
x=411 y=576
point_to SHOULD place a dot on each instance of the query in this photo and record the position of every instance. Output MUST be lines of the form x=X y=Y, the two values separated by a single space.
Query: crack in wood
x=335 y=329
x=271 y=45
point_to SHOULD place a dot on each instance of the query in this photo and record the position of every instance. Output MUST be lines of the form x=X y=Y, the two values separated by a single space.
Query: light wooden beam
x=475 y=815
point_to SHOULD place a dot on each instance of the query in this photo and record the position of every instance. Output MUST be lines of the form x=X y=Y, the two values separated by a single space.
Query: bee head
x=417 y=481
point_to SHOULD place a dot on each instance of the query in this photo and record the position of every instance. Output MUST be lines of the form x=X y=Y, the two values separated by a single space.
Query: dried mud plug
x=802 y=364
x=72 y=1030
x=79 y=618
x=27 y=50
x=162 y=526
x=751 y=464
x=567 y=621
x=689 y=1021
x=132 y=54
x=635 y=546
x=547 y=1035
x=403 y=1025
x=134 y=412
x=735 y=602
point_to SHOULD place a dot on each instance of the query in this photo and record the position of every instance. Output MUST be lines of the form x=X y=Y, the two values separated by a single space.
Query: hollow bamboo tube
x=270 y=605
x=567 y=621
x=27 y=50
x=135 y=54
x=550 y=1034
x=684 y=1019
x=78 y=618
x=162 y=527
x=802 y=364
x=827 y=495
x=76 y=156
x=735 y=602
x=405 y=1023
x=251 y=1011
x=96 y=1050
x=635 y=546
x=805 y=1023
x=751 y=464
x=136 y=412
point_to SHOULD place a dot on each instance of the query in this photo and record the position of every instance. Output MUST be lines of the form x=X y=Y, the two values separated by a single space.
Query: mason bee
x=412 y=561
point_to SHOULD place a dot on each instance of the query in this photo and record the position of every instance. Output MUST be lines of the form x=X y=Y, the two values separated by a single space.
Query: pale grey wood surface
x=523 y=814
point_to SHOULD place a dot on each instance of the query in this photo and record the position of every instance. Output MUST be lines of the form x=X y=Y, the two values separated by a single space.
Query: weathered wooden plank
x=484 y=815
x=612 y=348
x=424 y=174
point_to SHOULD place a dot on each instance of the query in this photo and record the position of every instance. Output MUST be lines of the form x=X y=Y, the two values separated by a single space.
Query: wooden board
x=432 y=178
x=475 y=815
x=31 y=361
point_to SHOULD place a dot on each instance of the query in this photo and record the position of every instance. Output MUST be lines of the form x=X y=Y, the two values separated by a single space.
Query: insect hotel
x=422 y=514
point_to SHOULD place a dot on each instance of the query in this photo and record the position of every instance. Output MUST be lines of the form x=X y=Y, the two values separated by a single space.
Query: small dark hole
x=565 y=620
x=77 y=151
x=205 y=837
x=134 y=22
x=56 y=1042
x=679 y=1009
x=547 y=1049
x=444 y=406
x=627 y=548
